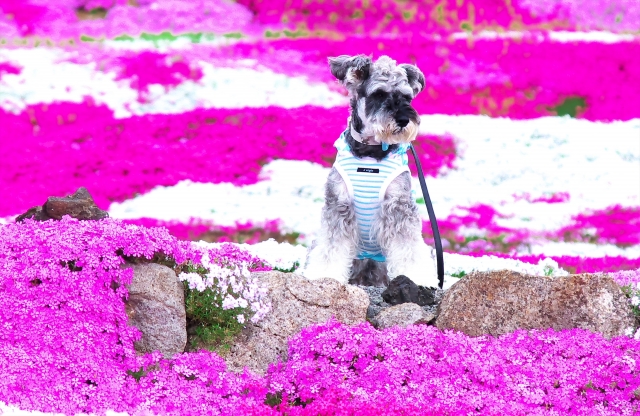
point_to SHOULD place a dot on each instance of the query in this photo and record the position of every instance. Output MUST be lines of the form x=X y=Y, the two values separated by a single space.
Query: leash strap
x=432 y=219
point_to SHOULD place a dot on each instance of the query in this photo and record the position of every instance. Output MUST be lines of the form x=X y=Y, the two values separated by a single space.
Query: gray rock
x=296 y=302
x=403 y=290
x=402 y=315
x=156 y=307
x=377 y=304
x=374 y=293
x=500 y=302
x=79 y=205
x=372 y=311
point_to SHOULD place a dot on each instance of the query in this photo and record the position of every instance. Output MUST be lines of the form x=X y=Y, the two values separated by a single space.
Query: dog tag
x=368 y=170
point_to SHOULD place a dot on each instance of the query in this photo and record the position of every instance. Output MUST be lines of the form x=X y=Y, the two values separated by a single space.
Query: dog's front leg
x=333 y=251
x=397 y=227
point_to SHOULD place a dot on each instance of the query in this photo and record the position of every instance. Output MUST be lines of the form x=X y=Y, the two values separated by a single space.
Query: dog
x=371 y=231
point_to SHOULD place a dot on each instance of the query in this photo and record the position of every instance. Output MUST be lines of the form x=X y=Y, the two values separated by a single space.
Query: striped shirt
x=367 y=181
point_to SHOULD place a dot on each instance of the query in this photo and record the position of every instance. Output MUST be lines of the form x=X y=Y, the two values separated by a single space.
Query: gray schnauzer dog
x=371 y=231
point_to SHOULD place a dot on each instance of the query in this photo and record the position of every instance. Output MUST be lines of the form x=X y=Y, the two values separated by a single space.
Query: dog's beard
x=391 y=133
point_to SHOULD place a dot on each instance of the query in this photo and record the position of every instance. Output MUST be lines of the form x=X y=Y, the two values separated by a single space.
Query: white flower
x=241 y=318
x=635 y=301
x=245 y=271
x=229 y=302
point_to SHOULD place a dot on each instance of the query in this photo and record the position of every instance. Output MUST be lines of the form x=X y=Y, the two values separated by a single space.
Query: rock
x=156 y=307
x=500 y=302
x=403 y=290
x=296 y=302
x=373 y=311
x=377 y=304
x=80 y=205
x=35 y=213
x=402 y=315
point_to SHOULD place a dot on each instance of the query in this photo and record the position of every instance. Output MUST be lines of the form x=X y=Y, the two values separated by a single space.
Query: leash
x=432 y=219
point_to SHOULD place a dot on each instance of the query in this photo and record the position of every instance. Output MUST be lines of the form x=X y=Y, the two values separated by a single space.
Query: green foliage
x=290 y=270
x=548 y=270
x=166 y=36
x=570 y=106
x=214 y=326
x=631 y=292
x=137 y=375
x=273 y=399
x=295 y=34
x=459 y=274
x=233 y=35
x=124 y=37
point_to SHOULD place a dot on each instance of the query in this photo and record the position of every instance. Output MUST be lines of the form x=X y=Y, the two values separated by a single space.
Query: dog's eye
x=378 y=94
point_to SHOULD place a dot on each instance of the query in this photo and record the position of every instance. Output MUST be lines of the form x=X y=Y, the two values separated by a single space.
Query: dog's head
x=381 y=93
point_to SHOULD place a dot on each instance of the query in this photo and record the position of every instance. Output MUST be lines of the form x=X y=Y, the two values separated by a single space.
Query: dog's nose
x=402 y=121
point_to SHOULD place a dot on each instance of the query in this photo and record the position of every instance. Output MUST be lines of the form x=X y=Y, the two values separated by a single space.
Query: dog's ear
x=350 y=70
x=415 y=77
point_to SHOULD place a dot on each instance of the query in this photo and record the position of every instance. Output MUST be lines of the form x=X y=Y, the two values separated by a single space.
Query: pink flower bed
x=478 y=217
x=388 y=16
x=66 y=275
x=72 y=145
x=8 y=68
x=615 y=225
x=573 y=264
x=242 y=232
x=71 y=19
x=420 y=367
x=554 y=198
x=518 y=78
x=64 y=19
x=627 y=277
x=146 y=68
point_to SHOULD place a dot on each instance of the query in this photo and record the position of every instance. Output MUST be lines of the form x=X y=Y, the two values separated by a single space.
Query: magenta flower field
x=215 y=120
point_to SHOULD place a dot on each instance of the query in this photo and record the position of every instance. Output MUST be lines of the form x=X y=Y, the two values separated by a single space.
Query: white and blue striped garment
x=367 y=181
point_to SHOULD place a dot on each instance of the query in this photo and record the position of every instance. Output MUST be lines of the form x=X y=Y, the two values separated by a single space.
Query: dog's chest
x=367 y=181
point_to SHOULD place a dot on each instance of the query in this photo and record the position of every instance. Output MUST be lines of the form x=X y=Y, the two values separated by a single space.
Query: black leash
x=432 y=219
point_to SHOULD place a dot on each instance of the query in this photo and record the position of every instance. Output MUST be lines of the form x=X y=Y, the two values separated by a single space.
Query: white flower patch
x=458 y=264
x=10 y=410
x=248 y=292
x=292 y=191
x=560 y=248
x=280 y=256
x=562 y=36
x=630 y=332
x=47 y=76
x=284 y=256
x=597 y=164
